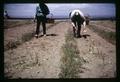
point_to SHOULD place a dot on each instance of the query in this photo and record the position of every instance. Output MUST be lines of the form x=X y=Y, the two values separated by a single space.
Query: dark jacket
x=44 y=9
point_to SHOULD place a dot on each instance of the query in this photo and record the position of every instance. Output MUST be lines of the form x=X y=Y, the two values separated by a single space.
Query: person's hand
x=73 y=24
x=84 y=30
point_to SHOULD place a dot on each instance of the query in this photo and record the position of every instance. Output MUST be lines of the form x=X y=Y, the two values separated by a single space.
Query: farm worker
x=41 y=12
x=77 y=19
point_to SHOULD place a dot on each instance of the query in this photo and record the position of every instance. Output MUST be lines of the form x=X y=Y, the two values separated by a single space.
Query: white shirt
x=78 y=11
x=73 y=12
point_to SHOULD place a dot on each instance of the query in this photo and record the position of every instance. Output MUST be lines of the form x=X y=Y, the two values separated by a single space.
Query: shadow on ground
x=49 y=35
x=84 y=36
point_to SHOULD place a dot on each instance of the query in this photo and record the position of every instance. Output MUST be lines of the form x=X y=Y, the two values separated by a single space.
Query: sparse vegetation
x=71 y=61
x=107 y=35
x=25 y=37
x=11 y=44
x=20 y=63
x=83 y=57
x=14 y=44
x=107 y=23
x=13 y=23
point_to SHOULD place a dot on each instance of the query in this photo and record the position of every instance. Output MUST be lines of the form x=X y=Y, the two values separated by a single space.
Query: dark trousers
x=41 y=19
x=78 y=21
x=77 y=29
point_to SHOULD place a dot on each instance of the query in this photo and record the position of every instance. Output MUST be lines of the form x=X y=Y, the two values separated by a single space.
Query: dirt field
x=41 y=58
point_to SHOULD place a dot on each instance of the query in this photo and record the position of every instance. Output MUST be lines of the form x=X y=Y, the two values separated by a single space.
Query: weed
x=71 y=61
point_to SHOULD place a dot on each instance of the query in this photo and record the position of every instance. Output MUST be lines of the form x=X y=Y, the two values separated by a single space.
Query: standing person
x=41 y=12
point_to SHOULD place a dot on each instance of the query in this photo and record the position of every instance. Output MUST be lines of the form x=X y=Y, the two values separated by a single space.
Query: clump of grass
x=71 y=61
x=27 y=37
x=107 y=35
x=14 y=44
x=70 y=68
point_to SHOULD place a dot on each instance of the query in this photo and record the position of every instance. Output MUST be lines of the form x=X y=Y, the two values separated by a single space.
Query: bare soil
x=99 y=54
x=40 y=58
x=106 y=25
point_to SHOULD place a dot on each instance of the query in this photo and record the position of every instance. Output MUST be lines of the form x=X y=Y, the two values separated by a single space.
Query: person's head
x=41 y=2
x=5 y=11
x=77 y=13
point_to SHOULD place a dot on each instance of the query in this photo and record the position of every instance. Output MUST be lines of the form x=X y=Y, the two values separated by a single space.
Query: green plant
x=71 y=61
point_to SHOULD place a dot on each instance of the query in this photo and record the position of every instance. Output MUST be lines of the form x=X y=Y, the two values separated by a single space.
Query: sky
x=62 y=10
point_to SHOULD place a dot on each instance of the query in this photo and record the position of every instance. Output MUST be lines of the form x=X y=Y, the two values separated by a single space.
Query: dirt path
x=100 y=55
x=17 y=34
x=40 y=58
